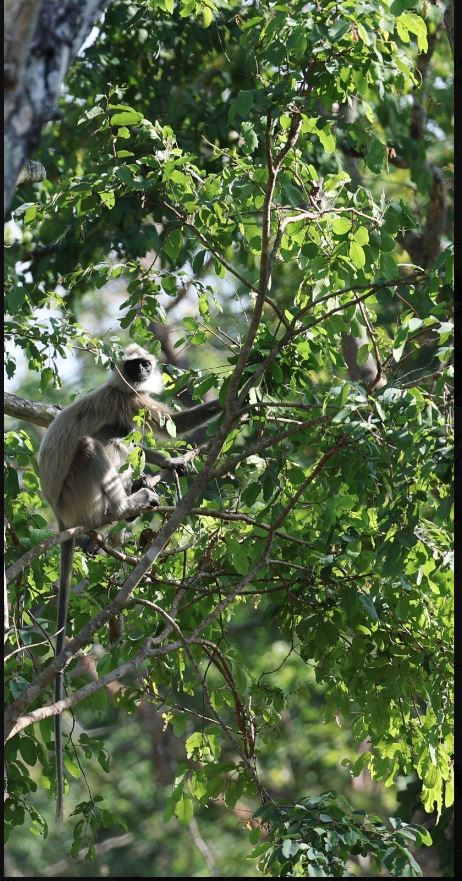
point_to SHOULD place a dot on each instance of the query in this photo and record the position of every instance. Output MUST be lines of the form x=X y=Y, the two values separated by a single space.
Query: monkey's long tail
x=67 y=553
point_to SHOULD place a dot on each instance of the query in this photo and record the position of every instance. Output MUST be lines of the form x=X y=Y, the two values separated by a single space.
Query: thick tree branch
x=29 y=411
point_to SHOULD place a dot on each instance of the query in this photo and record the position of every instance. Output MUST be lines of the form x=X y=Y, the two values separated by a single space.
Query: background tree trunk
x=41 y=38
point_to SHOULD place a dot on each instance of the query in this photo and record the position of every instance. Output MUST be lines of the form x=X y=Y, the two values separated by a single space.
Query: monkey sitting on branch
x=79 y=461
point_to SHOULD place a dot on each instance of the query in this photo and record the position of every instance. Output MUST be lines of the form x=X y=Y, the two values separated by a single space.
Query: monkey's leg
x=118 y=501
x=94 y=488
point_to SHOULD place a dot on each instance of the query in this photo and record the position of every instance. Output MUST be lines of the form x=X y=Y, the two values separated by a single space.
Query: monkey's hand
x=145 y=481
x=181 y=464
x=142 y=498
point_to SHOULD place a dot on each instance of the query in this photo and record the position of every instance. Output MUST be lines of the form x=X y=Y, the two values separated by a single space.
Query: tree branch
x=29 y=411
x=59 y=869
x=270 y=440
x=59 y=537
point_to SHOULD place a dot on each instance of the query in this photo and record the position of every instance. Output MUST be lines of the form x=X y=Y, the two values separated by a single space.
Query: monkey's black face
x=137 y=370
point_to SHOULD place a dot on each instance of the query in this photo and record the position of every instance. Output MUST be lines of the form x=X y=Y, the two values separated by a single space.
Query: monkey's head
x=134 y=371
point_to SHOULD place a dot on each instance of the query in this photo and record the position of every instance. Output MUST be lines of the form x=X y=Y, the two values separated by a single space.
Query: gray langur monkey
x=79 y=459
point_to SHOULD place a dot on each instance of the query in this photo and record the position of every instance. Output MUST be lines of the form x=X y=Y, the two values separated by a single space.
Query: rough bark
x=31 y=170
x=29 y=411
x=41 y=39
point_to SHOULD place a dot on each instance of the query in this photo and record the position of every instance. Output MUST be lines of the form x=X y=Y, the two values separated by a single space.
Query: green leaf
x=124 y=174
x=242 y=105
x=173 y=244
x=448 y=797
x=233 y=792
x=238 y=555
x=399 y=342
x=341 y=225
x=197 y=785
x=375 y=156
x=367 y=604
x=327 y=139
x=126 y=117
x=28 y=750
x=17 y=685
x=362 y=354
x=108 y=198
x=402 y=30
x=179 y=724
x=194 y=741
x=170 y=427
x=249 y=136
x=71 y=766
x=198 y=261
x=207 y=16
x=30 y=213
x=184 y=809
x=357 y=255
x=290 y=848
x=410 y=22
x=361 y=235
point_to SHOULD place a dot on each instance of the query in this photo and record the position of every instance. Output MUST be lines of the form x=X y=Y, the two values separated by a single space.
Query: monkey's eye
x=145 y=364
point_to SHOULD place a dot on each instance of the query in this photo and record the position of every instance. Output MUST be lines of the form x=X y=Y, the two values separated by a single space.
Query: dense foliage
x=282 y=167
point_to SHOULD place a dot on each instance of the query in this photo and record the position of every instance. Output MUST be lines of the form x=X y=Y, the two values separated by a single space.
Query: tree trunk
x=41 y=38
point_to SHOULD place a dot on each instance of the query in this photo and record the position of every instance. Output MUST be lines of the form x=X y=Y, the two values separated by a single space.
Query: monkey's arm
x=187 y=420
x=171 y=463
x=184 y=420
